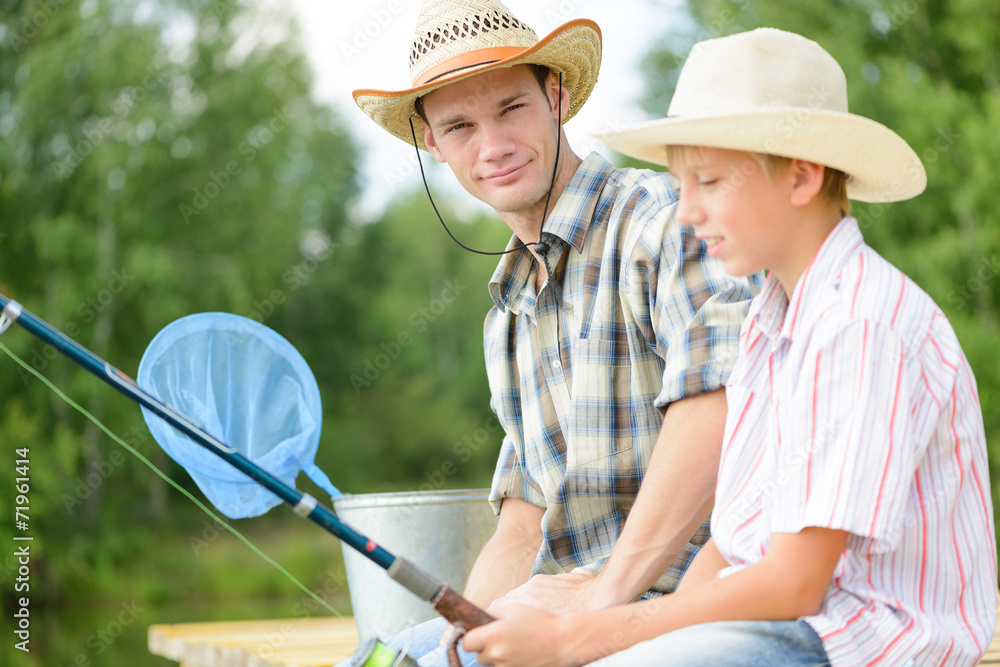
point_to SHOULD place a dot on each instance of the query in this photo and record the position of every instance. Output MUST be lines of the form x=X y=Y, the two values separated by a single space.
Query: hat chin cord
x=540 y=246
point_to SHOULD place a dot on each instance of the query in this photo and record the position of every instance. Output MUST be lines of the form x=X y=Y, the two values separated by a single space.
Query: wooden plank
x=312 y=642
x=299 y=642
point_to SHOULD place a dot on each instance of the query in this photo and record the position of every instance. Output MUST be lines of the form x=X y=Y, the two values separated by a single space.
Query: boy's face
x=497 y=132
x=727 y=198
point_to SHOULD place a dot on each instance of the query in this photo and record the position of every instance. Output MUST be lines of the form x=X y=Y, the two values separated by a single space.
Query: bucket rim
x=409 y=498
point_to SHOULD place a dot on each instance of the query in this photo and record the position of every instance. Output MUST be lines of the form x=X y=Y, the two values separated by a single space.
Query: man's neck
x=527 y=223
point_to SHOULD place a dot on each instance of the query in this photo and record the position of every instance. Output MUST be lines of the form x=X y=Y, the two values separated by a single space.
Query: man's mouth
x=504 y=175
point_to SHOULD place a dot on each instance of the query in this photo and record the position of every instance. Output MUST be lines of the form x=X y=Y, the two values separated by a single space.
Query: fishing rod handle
x=459 y=611
x=453 y=607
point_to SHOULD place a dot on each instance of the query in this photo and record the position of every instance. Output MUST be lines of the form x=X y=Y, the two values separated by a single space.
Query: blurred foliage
x=930 y=70
x=163 y=158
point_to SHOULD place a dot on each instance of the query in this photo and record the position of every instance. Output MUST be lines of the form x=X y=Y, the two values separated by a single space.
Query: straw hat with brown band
x=458 y=39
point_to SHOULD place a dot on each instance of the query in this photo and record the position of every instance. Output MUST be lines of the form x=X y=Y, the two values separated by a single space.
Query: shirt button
x=556 y=364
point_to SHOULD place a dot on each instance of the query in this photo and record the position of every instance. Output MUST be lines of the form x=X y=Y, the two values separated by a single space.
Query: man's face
x=497 y=131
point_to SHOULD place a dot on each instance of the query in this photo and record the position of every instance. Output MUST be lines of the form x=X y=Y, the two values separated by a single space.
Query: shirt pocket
x=600 y=424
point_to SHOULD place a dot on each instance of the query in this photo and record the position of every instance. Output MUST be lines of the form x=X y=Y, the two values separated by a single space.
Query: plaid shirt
x=634 y=317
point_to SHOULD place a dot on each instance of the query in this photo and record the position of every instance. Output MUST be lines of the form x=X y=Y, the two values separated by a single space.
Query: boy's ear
x=432 y=147
x=807 y=181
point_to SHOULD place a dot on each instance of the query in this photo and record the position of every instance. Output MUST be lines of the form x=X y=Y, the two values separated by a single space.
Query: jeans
x=421 y=642
x=727 y=644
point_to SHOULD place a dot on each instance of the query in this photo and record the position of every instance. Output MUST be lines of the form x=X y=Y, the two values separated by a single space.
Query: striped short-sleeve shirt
x=634 y=317
x=852 y=407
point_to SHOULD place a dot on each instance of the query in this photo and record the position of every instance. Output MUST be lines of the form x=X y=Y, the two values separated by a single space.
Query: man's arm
x=788 y=583
x=505 y=562
x=676 y=496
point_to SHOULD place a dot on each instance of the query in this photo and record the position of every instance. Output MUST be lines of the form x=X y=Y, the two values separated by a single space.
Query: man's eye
x=459 y=126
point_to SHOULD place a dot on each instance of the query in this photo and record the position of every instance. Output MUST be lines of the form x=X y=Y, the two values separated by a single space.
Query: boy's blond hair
x=834 y=189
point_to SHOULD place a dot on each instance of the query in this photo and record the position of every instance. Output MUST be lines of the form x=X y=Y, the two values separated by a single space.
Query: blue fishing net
x=247 y=386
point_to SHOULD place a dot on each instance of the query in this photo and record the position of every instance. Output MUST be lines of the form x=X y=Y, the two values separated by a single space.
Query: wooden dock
x=310 y=642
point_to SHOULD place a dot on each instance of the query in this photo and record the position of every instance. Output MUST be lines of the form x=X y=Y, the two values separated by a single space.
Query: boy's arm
x=788 y=583
x=704 y=567
x=505 y=562
x=676 y=496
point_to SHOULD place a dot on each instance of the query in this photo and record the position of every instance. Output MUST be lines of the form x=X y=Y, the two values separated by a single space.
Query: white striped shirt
x=852 y=407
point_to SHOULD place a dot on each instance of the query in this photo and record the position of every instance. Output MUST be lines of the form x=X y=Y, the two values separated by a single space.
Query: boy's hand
x=555 y=593
x=521 y=637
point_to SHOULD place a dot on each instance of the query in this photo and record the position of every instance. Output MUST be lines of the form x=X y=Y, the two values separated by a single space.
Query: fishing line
x=167 y=479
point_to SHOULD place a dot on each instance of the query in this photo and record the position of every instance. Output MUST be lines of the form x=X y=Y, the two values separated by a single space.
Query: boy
x=852 y=522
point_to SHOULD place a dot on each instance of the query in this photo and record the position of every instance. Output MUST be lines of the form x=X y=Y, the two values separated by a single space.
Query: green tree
x=413 y=399
x=156 y=160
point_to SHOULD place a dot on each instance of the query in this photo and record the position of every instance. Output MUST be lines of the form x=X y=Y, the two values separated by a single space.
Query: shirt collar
x=775 y=314
x=569 y=222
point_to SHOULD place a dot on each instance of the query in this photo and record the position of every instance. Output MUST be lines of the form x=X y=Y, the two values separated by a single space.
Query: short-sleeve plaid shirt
x=633 y=317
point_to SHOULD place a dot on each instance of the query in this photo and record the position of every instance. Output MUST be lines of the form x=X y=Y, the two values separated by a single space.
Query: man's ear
x=432 y=146
x=552 y=88
x=806 y=181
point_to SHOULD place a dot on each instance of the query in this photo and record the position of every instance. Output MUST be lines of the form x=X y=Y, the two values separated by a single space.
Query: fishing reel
x=373 y=653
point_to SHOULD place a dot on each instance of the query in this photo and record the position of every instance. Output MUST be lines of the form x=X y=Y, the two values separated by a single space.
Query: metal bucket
x=441 y=531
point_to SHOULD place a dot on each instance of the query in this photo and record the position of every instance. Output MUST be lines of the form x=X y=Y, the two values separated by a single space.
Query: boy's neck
x=811 y=229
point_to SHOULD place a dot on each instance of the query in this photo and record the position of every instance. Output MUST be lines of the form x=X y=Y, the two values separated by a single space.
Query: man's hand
x=555 y=593
x=521 y=637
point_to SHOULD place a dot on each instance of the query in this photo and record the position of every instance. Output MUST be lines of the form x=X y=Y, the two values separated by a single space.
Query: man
x=612 y=331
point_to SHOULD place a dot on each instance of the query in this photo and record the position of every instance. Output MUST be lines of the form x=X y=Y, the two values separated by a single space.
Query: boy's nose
x=689 y=212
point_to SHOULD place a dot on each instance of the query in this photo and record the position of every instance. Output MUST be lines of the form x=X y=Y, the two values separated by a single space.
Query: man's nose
x=495 y=142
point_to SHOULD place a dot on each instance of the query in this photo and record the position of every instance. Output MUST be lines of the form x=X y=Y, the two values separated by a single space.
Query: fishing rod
x=445 y=600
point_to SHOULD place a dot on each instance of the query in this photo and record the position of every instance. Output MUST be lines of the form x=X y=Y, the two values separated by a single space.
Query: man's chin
x=511 y=202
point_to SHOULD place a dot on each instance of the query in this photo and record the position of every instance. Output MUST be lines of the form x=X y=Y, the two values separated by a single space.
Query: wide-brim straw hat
x=459 y=39
x=775 y=92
